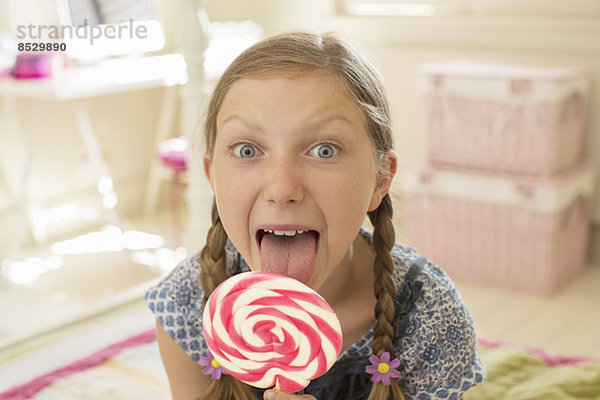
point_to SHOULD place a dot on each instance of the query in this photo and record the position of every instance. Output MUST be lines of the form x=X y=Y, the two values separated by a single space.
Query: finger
x=272 y=394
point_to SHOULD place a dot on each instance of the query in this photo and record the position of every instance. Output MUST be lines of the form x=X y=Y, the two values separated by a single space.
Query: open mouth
x=262 y=232
x=288 y=252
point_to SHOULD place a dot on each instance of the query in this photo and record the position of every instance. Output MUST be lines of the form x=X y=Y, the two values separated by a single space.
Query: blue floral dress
x=435 y=335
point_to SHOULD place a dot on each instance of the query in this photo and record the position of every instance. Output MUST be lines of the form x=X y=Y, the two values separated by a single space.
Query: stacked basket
x=504 y=197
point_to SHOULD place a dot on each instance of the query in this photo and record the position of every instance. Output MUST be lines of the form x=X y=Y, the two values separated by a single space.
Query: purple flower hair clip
x=382 y=368
x=212 y=366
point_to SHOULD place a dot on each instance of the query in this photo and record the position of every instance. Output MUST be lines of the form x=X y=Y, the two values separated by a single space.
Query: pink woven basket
x=512 y=233
x=503 y=118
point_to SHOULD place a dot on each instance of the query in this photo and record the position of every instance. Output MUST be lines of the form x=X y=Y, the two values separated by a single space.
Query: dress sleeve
x=438 y=348
x=176 y=302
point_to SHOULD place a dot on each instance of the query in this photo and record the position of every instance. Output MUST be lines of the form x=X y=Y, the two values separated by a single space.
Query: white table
x=76 y=84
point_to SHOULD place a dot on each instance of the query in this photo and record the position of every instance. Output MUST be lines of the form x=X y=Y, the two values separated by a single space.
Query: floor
x=52 y=286
x=565 y=323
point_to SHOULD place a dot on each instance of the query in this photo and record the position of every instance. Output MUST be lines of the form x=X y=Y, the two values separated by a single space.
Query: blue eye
x=325 y=151
x=244 y=150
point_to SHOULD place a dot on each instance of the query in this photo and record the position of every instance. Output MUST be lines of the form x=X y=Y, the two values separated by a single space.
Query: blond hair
x=299 y=53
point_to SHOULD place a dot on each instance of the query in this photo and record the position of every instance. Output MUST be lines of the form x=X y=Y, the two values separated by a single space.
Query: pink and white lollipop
x=270 y=330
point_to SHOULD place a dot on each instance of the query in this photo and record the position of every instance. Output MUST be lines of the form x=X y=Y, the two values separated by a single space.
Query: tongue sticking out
x=293 y=256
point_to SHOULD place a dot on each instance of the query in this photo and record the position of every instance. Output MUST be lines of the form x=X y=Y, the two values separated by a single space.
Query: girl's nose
x=283 y=183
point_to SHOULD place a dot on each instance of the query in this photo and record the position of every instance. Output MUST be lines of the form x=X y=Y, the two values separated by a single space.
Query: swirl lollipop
x=270 y=330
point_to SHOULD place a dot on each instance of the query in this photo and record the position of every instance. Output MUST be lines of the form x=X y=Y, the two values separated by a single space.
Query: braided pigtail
x=385 y=290
x=214 y=271
x=212 y=256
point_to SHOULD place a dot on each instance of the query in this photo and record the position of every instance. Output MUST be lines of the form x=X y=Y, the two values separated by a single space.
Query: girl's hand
x=273 y=394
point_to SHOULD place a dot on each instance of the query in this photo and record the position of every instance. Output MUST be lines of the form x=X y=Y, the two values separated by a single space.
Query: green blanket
x=516 y=374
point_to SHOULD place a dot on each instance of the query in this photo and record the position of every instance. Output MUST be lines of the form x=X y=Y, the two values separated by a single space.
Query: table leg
x=104 y=184
x=23 y=217
x=165 y=121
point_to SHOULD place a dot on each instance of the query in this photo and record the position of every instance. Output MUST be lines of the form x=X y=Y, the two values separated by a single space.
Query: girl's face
x=293 y=174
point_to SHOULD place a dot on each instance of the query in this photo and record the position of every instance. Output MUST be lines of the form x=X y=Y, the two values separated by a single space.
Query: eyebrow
x=317 y=123
x=321 y=122
x=238 y=118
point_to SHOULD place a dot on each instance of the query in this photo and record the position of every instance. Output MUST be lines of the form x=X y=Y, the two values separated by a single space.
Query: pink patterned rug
x=132 y=369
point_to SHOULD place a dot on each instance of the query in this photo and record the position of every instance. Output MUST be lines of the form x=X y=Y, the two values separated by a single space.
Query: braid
x=214 y=271
x=212 y=256
x=385 y=290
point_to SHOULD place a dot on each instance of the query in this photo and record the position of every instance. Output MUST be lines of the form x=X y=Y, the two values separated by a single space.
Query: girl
x=298 y=152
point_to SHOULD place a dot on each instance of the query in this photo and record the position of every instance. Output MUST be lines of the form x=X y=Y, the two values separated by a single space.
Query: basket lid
x=506 y=82
x=481 y=69
x=548 y=193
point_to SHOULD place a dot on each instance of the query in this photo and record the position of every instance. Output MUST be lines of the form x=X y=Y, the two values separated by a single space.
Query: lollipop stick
x=277 y=385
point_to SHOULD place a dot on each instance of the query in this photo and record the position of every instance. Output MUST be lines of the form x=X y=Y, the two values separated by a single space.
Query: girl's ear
x=385 y=175
x=207 y=171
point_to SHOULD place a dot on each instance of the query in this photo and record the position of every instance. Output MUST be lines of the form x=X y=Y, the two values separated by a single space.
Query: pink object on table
x=173 y=153
x=32 y=65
